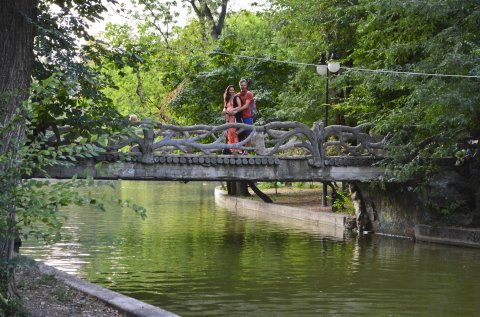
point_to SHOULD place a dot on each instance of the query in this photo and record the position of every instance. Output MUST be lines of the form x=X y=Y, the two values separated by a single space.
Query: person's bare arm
x=245 y=106
x=237 y=109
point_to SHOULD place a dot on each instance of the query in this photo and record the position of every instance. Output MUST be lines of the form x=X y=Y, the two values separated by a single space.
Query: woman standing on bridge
x=231 y=103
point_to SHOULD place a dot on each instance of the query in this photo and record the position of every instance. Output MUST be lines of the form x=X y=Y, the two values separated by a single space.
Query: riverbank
x=45 y=295
x=46 y=291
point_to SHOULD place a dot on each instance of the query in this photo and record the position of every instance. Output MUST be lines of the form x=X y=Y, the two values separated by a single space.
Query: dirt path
x=43 y=295
x=306 y=198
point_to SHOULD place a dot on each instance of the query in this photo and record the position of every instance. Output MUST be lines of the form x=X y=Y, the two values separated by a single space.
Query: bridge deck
x=284 y=151
x=222 y=167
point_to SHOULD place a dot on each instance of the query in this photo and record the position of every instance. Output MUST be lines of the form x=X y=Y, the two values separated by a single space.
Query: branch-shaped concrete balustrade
x=147 y=139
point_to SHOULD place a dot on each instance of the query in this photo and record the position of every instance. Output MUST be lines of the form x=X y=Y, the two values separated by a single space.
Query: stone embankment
x=299 y=211
x=309 y=211
x=468 y=237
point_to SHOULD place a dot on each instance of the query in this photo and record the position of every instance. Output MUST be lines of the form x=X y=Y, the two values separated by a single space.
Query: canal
x=194 y=258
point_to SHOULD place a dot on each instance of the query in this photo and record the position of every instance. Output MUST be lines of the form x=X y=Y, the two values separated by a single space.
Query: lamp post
x=331 y=67
x=325 y=70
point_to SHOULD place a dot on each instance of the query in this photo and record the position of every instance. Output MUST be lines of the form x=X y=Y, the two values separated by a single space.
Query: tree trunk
x=204 y=13
x=16 y=59
x=139 y=91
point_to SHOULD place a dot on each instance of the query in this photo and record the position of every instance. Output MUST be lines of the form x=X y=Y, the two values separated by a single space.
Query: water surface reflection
x=196 y=259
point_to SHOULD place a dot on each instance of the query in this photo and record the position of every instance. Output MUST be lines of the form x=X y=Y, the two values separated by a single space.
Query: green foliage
x=65 y=91
x=11 y=308
x=39 y=202
x=183 y=73
x=426 y=116
x=308 y=36
x=62 y=293
x=73 y=95
x=269 y=185
x=309 y=185
x=343 y=203
x=188 y=78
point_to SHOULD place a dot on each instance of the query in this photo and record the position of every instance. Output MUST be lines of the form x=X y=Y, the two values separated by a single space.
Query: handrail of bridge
x=148 y=139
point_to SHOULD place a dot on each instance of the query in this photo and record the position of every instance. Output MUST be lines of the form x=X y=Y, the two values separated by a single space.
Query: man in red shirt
x=246 y=97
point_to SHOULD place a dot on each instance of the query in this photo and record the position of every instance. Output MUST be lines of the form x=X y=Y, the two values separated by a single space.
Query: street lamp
x=331 y=67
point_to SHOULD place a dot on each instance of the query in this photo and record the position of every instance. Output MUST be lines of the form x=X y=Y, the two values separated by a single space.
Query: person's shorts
x=250 y=122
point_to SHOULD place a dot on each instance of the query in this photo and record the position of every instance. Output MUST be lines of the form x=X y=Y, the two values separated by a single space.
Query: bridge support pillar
x=242 y=188
x=231 y=188
x=324 y=194
x=237 y=188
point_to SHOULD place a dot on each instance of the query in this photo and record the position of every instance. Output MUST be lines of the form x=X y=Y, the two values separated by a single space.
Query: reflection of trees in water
x=190 y=247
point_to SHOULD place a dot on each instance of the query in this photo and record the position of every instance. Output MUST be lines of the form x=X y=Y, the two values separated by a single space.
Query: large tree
x=30 y=30
x=16 y=59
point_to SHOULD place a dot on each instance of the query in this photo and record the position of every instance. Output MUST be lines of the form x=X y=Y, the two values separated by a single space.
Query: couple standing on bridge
x=236 y=108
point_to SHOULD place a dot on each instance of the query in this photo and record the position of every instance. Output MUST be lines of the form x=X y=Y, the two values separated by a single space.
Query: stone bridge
x=278 y=151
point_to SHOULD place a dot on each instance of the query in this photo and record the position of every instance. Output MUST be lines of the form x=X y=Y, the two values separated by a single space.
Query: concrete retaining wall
x=448 y=235
x=336 y=221
x=129 y=306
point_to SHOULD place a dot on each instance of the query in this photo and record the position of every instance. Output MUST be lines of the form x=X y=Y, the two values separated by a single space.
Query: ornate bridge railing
x=320 y=145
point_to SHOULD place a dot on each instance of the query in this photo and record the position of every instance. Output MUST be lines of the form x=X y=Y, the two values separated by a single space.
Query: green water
x=194 y=258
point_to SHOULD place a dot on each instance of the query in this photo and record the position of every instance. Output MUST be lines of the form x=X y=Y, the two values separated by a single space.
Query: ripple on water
x=196 y=259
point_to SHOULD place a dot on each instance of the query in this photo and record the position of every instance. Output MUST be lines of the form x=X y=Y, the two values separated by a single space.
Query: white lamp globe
x=334 y=67
x=322 y=70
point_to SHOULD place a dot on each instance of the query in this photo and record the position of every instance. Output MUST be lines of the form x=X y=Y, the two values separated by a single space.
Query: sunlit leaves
x=426 y=115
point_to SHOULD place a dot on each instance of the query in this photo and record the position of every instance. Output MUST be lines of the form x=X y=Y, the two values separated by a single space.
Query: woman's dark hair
x=226 y=95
